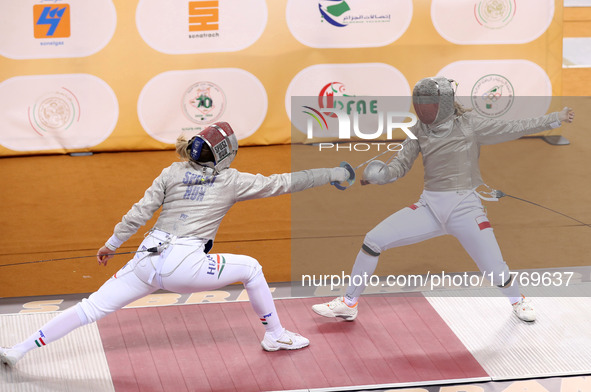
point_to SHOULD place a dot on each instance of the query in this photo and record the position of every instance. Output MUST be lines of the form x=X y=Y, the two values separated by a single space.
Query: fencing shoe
x=524 y=311
x=10 y=356
x=287 y=341
x=336 y=308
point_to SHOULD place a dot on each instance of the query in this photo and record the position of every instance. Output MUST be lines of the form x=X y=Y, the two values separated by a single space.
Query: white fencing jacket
x=450 y=155
x=194 y=200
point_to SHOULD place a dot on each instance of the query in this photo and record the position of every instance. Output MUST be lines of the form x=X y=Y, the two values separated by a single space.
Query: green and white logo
x=492 y=95
x=204 y=102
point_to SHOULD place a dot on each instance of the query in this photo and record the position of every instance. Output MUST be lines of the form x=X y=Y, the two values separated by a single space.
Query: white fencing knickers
x=460 y=214
x=182 y=267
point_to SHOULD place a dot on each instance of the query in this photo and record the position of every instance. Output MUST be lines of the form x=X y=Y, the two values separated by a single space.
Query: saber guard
x=351 y=179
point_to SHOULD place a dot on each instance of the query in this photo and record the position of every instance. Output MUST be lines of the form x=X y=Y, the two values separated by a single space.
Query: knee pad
x=370 y=247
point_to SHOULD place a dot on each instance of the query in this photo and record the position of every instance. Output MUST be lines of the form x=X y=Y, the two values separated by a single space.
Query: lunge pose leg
x=470 y=225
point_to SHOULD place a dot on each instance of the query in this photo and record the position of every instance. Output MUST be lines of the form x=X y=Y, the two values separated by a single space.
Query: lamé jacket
x=194 y=199
x=450 y=152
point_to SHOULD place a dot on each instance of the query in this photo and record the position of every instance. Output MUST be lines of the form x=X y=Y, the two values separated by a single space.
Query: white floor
x=557 y=343
x=77 y=363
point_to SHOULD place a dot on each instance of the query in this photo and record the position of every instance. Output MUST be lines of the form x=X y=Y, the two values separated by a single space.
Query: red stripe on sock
x=413 y=206
x=42 y=342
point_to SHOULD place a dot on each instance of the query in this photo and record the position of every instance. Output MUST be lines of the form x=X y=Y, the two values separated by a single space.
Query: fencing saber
x=154 y=249
x=500 y=194
x=352 y=169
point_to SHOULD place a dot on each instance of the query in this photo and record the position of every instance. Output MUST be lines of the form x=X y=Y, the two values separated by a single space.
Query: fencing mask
x=222 y=142
x=433 y=99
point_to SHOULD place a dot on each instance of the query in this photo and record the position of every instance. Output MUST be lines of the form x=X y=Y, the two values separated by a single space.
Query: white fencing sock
x=261 y=301
x=56 y=328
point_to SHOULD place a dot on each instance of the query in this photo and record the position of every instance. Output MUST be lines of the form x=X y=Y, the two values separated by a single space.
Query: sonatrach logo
x=494 y=14
x=338 y=13
x=492 y=95
x=204 y=102
x=54 y=112
x=204 y=19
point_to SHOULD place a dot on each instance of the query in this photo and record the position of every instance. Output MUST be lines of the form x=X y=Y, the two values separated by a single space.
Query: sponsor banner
x=185 y=26
x=72 y=111
x=177 y=102
x=477 y=22
x=492 y=87
x=54 y=29
x=343 y=87
x=348 y=23
x=331 y=48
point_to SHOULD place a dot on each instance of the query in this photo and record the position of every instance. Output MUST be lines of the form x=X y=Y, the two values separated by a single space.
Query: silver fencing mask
x=222 y=142
x=433 y=99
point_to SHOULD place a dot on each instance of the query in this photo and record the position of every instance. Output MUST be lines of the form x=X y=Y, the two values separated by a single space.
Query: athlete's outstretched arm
x=491 y=131
x=256 y=186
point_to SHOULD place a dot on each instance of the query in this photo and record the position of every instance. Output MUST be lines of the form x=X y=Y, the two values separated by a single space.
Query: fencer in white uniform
x=449 y=139
x=194 y=194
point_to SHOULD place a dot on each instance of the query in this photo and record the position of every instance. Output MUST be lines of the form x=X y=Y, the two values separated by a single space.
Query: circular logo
x=204 y=102
x=494 y=14
x=492 y=95
x=54 y=112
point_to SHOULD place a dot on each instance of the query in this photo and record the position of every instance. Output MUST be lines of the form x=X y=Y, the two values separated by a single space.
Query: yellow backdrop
x=131 y=75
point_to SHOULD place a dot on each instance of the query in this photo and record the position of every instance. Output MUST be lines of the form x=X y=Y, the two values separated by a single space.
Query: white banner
x=491 y=87
x=33 y=29
x=181 y=27
x=176 y=102
x=58 y=112
x=348 y=23
x=478 y=22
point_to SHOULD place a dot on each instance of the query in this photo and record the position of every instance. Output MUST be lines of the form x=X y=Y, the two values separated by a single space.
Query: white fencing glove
x=376 y=172
x=338 y=174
